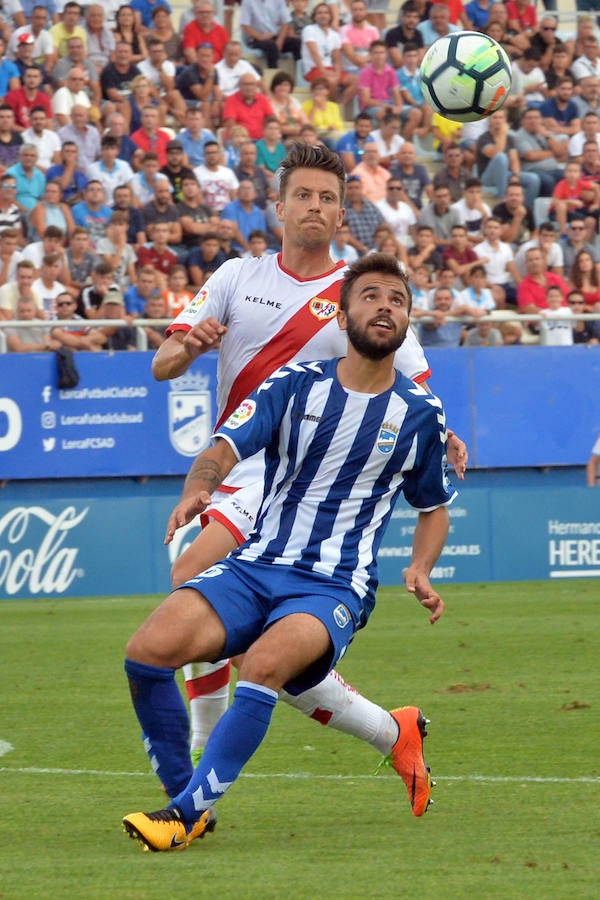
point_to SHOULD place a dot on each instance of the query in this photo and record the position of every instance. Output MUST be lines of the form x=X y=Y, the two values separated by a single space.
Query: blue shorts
x=250 y=596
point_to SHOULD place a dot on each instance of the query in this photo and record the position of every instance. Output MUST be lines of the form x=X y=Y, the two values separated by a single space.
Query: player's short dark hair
x=301 y=156
x=380 y=263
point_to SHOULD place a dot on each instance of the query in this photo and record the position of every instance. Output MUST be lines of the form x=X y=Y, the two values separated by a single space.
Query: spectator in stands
x=447 y=279
x=150 y=138
x=154 y=309
x=452 y=173
x=42 y=45
x=373 y=176
x=512 y=334
x=138 y=294
x=590 y=132
x=22 y=286
x=203 y=29
x=67 y=27
x=258 y=244
x=77 y=58
x=29 y=179
x=142 y=94
x=559 y=113
x=322 y=54
x=416 y=115
x=127 y=32
x=439 y=216
x=352 y=145
x=286 y=107
x=584 y=276
x=162 y=28
x=11 y=140
x=52 y=241
x=522 y=16
x=68 y=174
x=248 y=108
x=198 y=84
x=498 y=258
x=93 y=294
x=459 y=256
x=584 y=331
x=413 y=175
x=248 y=170
x=79 y=262
x=27 y=96
x=231 y=68
x=440 y=332
x=324 y=113
x=246 y=215
x=109 y=170
x=218 y=184
x=556 y=330
x=176 y=297
x=405 y=32
x=114 y=249
x=270 y=149
x=123 y=201
x=72 y=95
x=340 y=248
x=265 y=27
x=9 y=254
x=116 y=126
x=497 y=160
x=145 y=181
x=34 y=339
x=425 y=252
x=100 y=39
x=46 y=285
x=23 y=57
x=195 y=136
x=589 y=98
x=388 y=139
x=529 y=79
x=577 y=239
x=10 y=78
x=119 y=337
x=550 y=247
x=76 y=337
x=46 y=140
x=531 y=292
x=589 y=62
x=162 y=209
x=420 y=285
x=206 y=258
x=574 y=197
x=476 y=299
x=51 y=210
x=85 y=136
x=437 y=25
x=195 y=218
x=11 y=215
x=559 y=68
x=158 y=254
x=92 y=212
x=116 y=78
x=397 y=212
x=484 y=334
x=546 y=41
x=473 y=210
x=175 y=170
x=539 y=152
x=357 y=37
x=378 y=88
x=362 y=216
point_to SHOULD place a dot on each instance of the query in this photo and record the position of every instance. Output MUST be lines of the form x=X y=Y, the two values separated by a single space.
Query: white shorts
x=236 y=511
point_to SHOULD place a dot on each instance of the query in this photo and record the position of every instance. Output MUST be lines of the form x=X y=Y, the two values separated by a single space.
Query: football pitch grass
x=509 y=678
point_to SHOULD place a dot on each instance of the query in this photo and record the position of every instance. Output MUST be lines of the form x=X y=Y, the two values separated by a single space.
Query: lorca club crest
x=190 y=413
x=387 y=437
x=323 y=309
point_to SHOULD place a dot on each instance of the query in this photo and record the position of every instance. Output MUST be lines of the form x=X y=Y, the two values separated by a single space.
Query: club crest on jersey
x=190 y=413
x=341 y=615
x=199 y=300
x=242 y=414
x=323 y=309
x=386 y=440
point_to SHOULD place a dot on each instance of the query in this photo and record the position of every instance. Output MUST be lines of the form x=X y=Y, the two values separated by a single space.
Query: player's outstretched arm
x=428 y=541
x=181 y=348
x=206 y=474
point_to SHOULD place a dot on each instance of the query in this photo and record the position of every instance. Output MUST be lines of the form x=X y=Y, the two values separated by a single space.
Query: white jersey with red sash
x=274 y=317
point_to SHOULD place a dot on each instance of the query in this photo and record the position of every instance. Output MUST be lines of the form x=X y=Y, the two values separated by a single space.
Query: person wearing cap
x=175 y=170
x=203 y=29
x=118 y=337
x=43 y=52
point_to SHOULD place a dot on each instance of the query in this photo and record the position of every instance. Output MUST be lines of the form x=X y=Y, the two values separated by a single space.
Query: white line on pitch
x=490 y=779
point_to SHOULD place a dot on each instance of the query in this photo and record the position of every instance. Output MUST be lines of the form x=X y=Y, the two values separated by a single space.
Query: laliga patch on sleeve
x=199 y=300
x=241 y=415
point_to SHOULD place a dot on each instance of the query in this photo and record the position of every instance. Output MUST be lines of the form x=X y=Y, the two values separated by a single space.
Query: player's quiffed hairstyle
x=303 y=156
x=379 y=263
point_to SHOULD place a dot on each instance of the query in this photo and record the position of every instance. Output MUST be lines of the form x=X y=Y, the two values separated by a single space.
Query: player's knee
x=259 y=666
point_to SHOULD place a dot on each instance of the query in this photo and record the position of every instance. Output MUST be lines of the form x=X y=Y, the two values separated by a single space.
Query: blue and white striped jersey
x=336 y=461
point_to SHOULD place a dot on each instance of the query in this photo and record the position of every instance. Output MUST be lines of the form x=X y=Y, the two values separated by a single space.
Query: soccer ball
x=465 y=76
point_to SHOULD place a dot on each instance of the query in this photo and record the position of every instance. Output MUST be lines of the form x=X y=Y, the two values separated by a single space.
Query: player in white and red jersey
x=263 y=313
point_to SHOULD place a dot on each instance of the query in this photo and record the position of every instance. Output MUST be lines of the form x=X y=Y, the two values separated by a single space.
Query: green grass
x=509 y=678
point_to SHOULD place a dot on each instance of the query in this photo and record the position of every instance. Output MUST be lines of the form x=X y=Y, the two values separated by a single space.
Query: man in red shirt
x=574 y=197
x=24 y=98
x=203 y=30
x=531 y=292
x=248 y=108
x=158 y=254
x=150 y=137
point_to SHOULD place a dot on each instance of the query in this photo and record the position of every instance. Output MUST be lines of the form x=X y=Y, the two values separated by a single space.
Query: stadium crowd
x=138 y=153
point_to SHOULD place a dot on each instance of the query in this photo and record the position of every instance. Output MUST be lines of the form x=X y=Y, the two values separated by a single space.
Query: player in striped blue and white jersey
x=342 y=439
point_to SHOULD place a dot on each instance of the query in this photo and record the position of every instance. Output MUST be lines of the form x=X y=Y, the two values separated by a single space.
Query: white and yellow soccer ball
x=465 y=76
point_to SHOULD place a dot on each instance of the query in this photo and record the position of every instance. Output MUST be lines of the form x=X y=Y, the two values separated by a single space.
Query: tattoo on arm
x=205 y=475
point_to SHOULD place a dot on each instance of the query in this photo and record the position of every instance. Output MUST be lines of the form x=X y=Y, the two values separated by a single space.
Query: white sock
x=335 y=703
x=207 y=686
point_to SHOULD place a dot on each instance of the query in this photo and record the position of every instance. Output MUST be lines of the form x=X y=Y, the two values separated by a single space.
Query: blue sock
x=164 y=719
x=234 y=739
